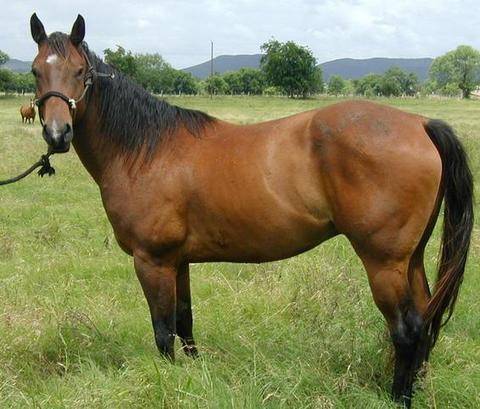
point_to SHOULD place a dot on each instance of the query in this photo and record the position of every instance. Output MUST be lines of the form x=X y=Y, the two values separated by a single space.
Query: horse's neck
x=92 y=149
x=98 y=153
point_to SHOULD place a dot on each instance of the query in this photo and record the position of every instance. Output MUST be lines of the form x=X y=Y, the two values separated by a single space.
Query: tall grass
x=300 y=333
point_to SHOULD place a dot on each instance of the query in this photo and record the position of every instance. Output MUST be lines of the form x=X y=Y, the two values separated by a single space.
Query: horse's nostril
x=47 y=134
x=68 y=133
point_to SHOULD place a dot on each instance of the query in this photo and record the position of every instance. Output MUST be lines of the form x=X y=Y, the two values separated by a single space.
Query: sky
x=181 y=30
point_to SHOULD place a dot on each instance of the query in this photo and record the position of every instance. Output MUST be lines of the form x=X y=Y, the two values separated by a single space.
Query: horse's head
x=60 y=69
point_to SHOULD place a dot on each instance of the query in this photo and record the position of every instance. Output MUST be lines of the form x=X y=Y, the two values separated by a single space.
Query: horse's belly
x=257 y=241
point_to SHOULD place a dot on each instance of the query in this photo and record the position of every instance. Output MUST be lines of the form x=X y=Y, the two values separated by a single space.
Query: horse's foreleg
x=158 y=282
x=184 y=312
x=393 y=295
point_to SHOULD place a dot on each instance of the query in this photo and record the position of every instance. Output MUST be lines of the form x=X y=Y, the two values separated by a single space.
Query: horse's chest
x=151 y=224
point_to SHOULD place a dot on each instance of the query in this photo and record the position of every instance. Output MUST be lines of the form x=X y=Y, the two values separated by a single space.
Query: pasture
x=300 y=333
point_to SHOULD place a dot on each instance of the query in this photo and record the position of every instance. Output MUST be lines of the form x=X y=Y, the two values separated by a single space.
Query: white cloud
x=181 y=30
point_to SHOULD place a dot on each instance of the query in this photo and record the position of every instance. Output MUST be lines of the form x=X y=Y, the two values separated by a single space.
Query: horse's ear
x=36 y=27
x=78 y=31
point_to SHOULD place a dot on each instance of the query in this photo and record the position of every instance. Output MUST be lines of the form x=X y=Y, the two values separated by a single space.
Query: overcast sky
x=181 y=30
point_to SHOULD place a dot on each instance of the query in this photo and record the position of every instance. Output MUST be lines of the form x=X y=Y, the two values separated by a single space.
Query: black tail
x=457 y=185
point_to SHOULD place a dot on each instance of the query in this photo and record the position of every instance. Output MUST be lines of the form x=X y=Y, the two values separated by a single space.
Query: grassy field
x=301 y=333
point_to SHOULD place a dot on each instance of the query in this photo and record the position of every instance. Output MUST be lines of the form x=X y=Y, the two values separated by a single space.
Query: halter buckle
x=72 y=103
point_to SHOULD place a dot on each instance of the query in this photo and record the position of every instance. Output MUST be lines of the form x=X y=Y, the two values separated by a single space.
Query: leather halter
x=90 y=75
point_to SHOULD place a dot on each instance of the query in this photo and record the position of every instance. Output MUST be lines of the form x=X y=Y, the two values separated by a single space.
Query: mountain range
x=224 y=63
x=348 y=68
x=17 y=65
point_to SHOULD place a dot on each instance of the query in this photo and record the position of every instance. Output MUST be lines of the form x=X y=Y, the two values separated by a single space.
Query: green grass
x=300 y=333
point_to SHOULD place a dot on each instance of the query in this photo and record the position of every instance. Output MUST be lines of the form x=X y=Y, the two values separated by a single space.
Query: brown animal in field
x=28 y=112
x=181 y=187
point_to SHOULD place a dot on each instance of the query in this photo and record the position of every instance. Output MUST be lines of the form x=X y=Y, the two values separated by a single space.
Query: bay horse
x=28 y=112
x=180 y=187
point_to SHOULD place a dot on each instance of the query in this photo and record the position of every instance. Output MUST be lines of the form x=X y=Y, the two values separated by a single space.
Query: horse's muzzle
x=58 y=138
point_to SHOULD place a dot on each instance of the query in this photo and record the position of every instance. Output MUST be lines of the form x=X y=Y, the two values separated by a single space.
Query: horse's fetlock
x=408 y=330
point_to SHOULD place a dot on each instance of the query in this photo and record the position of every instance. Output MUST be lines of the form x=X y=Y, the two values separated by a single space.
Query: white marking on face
x=56 y=133
x=52 y=59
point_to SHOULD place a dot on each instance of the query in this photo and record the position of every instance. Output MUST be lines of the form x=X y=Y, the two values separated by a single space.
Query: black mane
x=128 y=114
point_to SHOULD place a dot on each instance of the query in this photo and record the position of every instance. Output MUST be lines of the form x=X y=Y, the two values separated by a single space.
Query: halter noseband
x=71 y=102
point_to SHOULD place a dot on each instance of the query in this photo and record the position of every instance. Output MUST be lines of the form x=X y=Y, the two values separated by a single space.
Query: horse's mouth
x=60 y=148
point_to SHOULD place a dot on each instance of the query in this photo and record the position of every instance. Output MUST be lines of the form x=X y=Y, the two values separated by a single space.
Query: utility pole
x=211 y=68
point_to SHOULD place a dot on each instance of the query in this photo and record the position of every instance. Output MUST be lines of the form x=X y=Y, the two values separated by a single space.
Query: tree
x=247 y=81
x=349 y=87
x=391 y=82
x=23 y=82
x=216 y=85
x=122 y=60
x=11 y=81
x=336 y=85
x=368 y=86
x=7 y=80
x=6 y=76
x=396 y=82
x=3 y=57
x=184 y=83
x=291 y=67
x=460 y=67
x=151 y=70
x=252 y=81
x=234 y=83
x=411 y=85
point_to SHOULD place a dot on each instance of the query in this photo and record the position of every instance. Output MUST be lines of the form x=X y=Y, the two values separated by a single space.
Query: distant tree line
x=456 y=73
x=152 y=72
x=14 y=81
x=395 y=82
x=286 y=69
x=245 y=81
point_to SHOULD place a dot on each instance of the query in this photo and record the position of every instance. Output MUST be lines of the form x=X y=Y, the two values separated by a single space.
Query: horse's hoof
x=191 y=351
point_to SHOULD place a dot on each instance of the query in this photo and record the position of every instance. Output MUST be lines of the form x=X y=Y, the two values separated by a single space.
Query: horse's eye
x=80 y=72
x=34 y=72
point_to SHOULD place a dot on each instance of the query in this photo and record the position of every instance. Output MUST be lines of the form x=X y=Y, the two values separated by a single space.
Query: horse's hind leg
x=184 y=312
x=401 y=304
x=420 y=297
